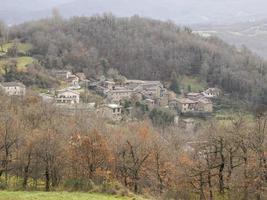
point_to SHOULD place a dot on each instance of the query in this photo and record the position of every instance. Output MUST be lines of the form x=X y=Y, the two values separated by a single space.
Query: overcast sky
x=180 y=11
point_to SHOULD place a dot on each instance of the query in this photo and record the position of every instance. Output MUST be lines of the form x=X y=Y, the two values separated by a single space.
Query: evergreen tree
x=175 y=86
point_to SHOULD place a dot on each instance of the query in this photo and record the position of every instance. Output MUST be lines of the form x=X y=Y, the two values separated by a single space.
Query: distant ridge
x=179 y=11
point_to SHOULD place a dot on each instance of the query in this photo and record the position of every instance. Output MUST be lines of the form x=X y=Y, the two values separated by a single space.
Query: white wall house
x=13 y=88
x=212 y=93
x=67 y=96
x=61 y=74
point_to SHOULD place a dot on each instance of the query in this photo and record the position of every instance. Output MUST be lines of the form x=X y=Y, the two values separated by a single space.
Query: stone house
x=186 y=105
x=13 y=88
x=149 y=89
x=67 y=97
x=108 y=84
x=61 y=74
x=150 y=103
x=111 y=111
x=73 y=81
x=205 y=105
x=81 y=76
x=154 y=88
x=212 y=93
x=194 y=96
x=119 y=94
x=47 y=98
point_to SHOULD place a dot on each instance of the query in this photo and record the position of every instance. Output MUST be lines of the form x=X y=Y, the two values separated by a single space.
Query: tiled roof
x=186 y=100
x=12 y=84
x=67 y=90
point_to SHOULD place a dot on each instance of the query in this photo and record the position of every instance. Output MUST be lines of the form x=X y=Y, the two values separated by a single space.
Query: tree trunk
x=136 y=182
x=202 y=194
x=158 y=174
x=221 y=169
x=47 y=178
x=26 y=172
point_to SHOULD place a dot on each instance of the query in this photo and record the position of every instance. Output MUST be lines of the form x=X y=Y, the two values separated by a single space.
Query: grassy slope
x=22 y=62
x=22 y=47
x=196 y=85
x=5 y=195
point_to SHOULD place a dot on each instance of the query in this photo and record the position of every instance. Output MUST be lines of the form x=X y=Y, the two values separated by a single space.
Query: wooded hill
x=144 y=49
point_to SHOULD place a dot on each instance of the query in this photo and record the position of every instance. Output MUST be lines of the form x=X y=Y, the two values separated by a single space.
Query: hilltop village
x=130 y=106
x=119 y=98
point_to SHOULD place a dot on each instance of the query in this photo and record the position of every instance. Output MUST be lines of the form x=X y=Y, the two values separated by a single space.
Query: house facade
x=119 y=94
x=61 y=74
x=13 y=88
x=205 y=105
x=67 y=97
x=212 y=93
x=81 y=76
x=108 y=84
x=186 y=105
x=111 y=111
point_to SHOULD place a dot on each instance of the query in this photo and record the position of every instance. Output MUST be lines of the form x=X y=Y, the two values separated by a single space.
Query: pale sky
x=180 y=11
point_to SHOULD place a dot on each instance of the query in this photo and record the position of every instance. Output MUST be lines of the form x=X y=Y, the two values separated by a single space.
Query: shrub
x=79 y=185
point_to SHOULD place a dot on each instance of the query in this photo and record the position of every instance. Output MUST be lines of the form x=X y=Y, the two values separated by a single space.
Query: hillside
x=141 y=48
x=253 y=35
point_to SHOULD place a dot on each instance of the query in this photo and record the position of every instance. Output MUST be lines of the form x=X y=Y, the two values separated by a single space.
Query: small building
x=13 y=88
x=150 y=89
x=67 y=97
x=154 y=88
x=81 y=76
x=163 y=101
x=186 y=105
x=194 y=96
x=205 y=105
x=47 y=98
x=62 y=74
x=119 y=94
x=212 y=93
x=73 y=81
x=171 y=95
x=101 y=90
x=150 y=103
x=108 y=84
x=111 y=111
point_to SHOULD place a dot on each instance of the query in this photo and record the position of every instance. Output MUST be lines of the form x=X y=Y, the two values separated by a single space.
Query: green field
x=5 y=195
x=195 y=84
x=22 y=62
x=22 y=47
